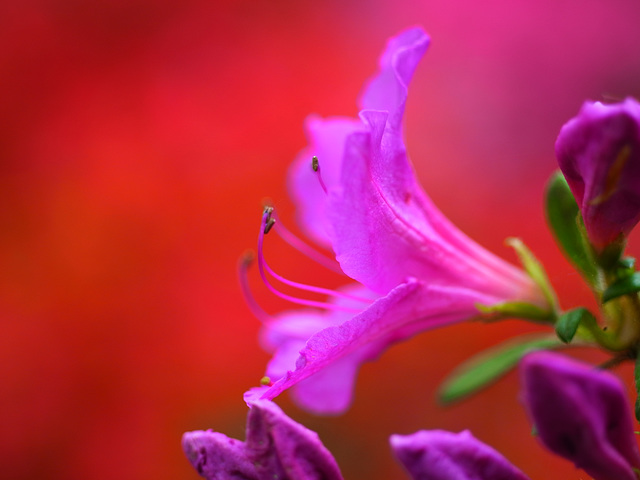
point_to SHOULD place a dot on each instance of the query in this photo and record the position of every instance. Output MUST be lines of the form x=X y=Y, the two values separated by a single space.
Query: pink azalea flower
x=599 y=154
x=581 y=414
x=415 y=270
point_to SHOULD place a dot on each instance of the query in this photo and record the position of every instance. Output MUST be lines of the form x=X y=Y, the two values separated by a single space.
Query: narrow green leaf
x=623 y=286
x=488 y=366
x=534 y=268
x=569 y=322
x=564 y=219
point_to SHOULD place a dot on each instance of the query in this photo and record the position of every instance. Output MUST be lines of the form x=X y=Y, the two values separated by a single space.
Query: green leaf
x=626 y=267
x=488 y=366
x=565 y=222
x=535 y=270
x=623 y=286
x=569 y=322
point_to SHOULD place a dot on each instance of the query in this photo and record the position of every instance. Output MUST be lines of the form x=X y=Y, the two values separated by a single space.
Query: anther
x=269 y=225
x=269 y=221
x=264 y=268
x=265 y=381
x=247 y=258
x=315 y=166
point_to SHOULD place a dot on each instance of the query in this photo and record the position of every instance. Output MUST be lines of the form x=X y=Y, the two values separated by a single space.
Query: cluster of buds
x=407 y=269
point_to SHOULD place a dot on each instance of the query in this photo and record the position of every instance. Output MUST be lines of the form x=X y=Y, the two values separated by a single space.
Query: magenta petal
x=276 y=447
x=330 y=390
x=386 y=229
x=287 y=334
x=340 y=349
x=387 y=91
x=599 y=154
x=327 y=138
x=326 y=141
x=441 y=455
x=581 y=414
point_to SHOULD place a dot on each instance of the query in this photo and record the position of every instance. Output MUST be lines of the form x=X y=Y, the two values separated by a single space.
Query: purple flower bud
x=581 y=414
x=276 y=448
x=441 y=455
x=599 y=154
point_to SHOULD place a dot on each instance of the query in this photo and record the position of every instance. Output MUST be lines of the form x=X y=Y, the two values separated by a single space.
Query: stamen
x=300 y=245
x=270 y=222
x=244 y=263
x=311 y=288
x=262 y=266
x=315 y=165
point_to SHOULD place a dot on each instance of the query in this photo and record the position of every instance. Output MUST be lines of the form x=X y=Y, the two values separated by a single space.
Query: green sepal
x=623 y=286
x=626 y=267
x=611 y=255
x=535 y=270
x=568 y=323
x=565 y=221
x=488 y=366
x=527 y=311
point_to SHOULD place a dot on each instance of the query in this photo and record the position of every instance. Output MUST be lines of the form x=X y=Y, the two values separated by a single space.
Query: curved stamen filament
x=262 y=266
x=315 y=165
x=243 y=266
x=311 y=288
x=303 y=248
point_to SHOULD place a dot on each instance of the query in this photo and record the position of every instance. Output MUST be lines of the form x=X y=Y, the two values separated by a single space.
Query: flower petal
x=441 y=455
x=385 y=228
x=287 y=334
x=581 y=414
x=387 y=91
x=327 y=138
x=326 y=141
x=330 y=390
x=340 y=349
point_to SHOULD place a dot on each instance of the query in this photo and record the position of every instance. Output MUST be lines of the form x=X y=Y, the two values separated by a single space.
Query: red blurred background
x=137 y=140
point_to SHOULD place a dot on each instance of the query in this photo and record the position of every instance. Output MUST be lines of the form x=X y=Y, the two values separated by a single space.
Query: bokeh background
x=137 y=141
